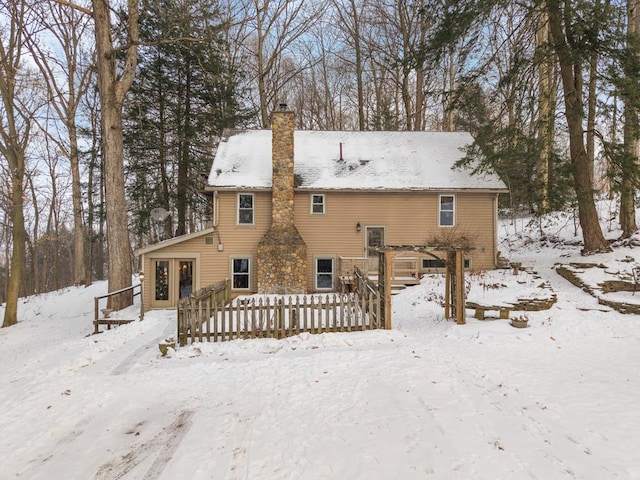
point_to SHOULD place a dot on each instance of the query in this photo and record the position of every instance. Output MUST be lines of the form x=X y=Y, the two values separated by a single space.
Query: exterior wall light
x=358 y=227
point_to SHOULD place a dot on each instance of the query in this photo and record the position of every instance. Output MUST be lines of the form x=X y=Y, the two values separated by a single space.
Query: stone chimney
x=282 y=252
x=282 y=130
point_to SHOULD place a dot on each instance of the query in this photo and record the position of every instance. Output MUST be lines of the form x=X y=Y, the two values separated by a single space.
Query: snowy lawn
x=428 y=399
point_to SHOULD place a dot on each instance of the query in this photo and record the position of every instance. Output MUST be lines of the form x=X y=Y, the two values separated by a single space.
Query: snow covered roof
x=370 y=161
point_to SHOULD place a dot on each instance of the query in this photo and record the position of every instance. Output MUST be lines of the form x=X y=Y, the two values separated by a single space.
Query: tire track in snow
x=164 y=444
x=169 y=448
x=130 y=360
x=240 y=456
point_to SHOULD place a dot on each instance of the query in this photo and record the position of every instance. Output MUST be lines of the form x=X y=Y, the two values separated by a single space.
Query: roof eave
x=361 y=190
x=174 y=241
x=401 y=190
x=235 y=188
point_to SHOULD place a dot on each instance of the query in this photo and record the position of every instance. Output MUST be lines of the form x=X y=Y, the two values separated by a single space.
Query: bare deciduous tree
x=17 y=109
x=564 y=43
x=114 y=81
x=66 y=71
x=278 y=24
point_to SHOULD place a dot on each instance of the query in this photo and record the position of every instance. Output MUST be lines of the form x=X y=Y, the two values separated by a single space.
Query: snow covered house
x=292 y=210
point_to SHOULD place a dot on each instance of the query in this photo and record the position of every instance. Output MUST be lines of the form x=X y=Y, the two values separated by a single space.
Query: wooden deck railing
x=405 y=270
x=346 y=265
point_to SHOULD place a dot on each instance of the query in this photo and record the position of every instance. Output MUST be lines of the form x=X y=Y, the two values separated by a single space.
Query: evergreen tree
x=184 y=96
x=578 y=34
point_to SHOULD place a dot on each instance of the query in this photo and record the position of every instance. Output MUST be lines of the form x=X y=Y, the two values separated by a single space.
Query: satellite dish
x=159 y=214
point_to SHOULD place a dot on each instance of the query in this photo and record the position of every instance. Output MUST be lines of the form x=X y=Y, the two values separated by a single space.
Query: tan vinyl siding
x=240 y=240
x=192 y=249
x=409 y=218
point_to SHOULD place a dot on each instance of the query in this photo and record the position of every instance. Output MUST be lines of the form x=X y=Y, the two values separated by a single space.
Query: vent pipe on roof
x=341 y=151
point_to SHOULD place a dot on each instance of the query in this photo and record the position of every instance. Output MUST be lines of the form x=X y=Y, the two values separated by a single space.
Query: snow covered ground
x=427 y=400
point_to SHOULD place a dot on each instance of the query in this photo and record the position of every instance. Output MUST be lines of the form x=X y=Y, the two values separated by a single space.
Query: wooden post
x=387 y=290
x=460 y=310
x=447 y=288
x=96 y=329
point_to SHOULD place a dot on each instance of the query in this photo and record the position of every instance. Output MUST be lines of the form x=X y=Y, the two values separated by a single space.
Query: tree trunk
x=546 y=112
x=99 y=249
x=405 y=86
x=16 y=161
x=448 y=92
x=13 y=143
x=406 y=99
x=262 y=71
x=183 y=156
x=591 y=113
x=359 y=67
x=112 y=93
x=76 y=193
x=571 y=76
x=32 y=246
x=93 y=168
x=418 y=125
x=631 y=132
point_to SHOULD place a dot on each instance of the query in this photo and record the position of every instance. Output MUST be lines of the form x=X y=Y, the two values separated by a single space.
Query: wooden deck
x=405 y=270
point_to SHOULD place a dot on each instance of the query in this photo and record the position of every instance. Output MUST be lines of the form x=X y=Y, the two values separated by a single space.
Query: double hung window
x=241 y=273
x=447 y=213
x=245 y=209
x=317 y=204
x=324 y=273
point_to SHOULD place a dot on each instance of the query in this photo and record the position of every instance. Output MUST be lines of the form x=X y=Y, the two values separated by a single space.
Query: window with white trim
x=447 y=211
x=241 y=273
x=245 y=209
x=317 y=203
x=324 y=273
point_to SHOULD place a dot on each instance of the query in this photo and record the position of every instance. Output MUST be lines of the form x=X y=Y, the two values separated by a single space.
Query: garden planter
x=519 y=323
x=164 y=347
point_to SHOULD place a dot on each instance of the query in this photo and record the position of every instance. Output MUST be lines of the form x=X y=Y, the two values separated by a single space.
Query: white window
x=245 y=208
x=241 y=273
x=447 y=211
x=324 y=273
x=317 y=203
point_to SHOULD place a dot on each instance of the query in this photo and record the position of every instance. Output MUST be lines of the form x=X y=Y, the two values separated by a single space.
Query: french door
x=173 y=279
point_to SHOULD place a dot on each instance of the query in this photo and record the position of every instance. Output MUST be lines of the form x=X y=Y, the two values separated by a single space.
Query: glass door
x=185 y=286
x=161 y=295
x=374 y=238
x=173 y=279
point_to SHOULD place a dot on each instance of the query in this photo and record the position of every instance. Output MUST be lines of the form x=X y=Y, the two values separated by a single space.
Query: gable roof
x=370 y=161
x=174 y=241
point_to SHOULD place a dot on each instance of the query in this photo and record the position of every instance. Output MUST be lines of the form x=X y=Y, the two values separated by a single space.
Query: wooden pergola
x=454 y=295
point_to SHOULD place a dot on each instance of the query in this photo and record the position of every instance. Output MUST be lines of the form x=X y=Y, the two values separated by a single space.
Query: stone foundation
x=282 y=261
